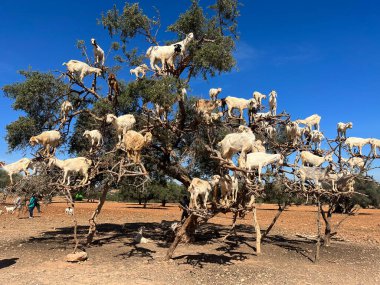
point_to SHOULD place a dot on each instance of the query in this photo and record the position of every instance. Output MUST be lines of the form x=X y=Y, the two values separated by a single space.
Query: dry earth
x=32 y=251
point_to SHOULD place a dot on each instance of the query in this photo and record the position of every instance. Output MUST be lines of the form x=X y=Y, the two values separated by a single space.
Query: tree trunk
x=163 y=203
x=318 y=245
x=139 y=199
x=71 y=202
x=92 y=220
x=183 y=234
x=145 y=201
x=278 y=214
x=257 y=230
x=327 y=220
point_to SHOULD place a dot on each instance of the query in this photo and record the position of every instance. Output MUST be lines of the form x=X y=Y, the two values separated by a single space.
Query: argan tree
x=184 y=144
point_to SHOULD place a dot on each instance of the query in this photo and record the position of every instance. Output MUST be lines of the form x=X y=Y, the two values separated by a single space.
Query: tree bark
x=318 y=245
x=179 y=173
x=183 y=233
x=257 y=230
x=327 y=220
x=92 y=220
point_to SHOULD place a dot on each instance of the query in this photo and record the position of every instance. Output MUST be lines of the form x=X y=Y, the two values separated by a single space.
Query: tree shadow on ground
x=231 y=248
x=7 y=262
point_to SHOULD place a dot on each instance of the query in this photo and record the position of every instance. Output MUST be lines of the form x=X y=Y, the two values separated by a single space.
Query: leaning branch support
x=189 y=224
x=92 y=220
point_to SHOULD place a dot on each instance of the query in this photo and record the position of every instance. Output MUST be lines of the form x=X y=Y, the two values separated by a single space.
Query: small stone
x=76 y=257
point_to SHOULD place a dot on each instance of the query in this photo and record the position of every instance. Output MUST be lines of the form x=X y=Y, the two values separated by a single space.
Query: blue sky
x=320 y=56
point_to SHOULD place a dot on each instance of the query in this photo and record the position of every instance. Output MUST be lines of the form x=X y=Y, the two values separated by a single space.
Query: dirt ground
x=33 y=251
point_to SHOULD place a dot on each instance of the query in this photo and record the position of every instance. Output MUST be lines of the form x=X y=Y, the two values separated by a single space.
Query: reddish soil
x=33 y=251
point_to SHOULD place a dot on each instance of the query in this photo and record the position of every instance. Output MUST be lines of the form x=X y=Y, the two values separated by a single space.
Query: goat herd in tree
x=172 y=135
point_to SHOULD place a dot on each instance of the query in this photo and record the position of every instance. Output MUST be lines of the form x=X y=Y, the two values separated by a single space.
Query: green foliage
x=163 y=192
x=38 y=97
x=4 y=179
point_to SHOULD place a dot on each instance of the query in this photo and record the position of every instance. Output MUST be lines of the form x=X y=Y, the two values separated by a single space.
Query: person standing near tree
x=32 y=205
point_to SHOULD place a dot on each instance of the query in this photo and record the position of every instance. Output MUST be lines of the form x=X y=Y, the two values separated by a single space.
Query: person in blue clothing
x=32 y=205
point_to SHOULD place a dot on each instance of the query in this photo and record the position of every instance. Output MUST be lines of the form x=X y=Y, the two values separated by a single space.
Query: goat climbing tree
x=184 y=145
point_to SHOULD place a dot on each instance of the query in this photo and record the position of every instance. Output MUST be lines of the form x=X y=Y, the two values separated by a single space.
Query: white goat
x=238 y=103
x=243 y=142
x=258 y=160
x=69 y=211
x=10 y=209
x=167 y=54
x=358 y=142
x=316 y=174
x=47 y=139
x=311 y=121
x=309 y=158
x=271 y=132
x=262 y=115
x=95 y=136
x=316 y=137
x=122 y=124
x=333 y=178
x=81 y=69
x=207 y=106
x=13 y=168
x=79 y=164
x=98 y=53
x=273 y=102
x=141 y=69
x=258 y=97
x=375 y=144
x=66 y=107
x=293 y=132
x=212 y=117
x=214 y=92
x=202 y=188
x=229 y=186
x=342 y=128
x=354 y=162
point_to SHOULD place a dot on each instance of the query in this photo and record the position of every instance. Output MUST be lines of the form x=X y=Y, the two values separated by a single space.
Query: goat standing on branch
x=122 y=124
x=98 y=53
x=167 y=54
x=214 y=92
x=201 y=188
x=95 y=136
x=81 y=69
x=16 y=167
x=273 y=102
x=134 y=142
x=113 y=88
x=311 y=121
x=243 y=142
x=66 y=108
x=47 y=139
x=342 y=128
x=139 y=69
x=79 y=165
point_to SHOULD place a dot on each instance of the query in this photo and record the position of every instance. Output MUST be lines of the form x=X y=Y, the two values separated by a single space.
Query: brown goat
x=113 y=87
